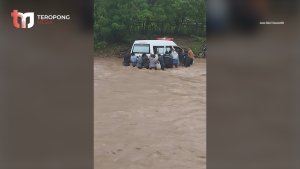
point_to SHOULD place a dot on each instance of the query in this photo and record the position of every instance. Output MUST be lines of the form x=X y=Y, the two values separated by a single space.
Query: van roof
x=156 y=42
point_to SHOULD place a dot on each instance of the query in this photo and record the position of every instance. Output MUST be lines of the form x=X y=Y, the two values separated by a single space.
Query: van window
x=169 y=48
x=141 y=48
x=160 y=49
x=176 y=47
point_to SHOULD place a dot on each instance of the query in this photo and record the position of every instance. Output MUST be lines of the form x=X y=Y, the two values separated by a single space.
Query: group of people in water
x=170 y=59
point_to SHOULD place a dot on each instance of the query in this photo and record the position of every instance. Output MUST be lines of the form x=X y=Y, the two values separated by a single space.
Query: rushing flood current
x=149 y=119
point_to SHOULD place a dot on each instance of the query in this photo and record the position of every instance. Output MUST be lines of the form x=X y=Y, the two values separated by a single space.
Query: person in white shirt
x=175 y=57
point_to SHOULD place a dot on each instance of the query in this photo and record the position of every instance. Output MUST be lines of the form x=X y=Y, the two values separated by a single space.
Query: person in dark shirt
x=180 y=54
x=161 y=61
x=167 y=60
x=126 y=61
x=165 y=56
x=171 y=59
x=145 y=61
x=187 y=59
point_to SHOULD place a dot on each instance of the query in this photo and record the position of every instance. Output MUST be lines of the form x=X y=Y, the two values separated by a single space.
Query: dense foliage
x=125 y=20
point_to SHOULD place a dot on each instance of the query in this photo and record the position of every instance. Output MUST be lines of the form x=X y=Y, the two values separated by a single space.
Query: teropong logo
x=42 y=19
x=15 y=14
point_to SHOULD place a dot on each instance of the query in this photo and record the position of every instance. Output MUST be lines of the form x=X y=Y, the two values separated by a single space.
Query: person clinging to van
x=167 y=59
x=170 y=59
x=152 y=64
x=191 y=55
x=126 y=61
x=161 y=61
x=156 y=56
x=133 y=59
x=186 y=59
x=139 y=63
x=175 y=58
x=145 y=61
x=180 y=55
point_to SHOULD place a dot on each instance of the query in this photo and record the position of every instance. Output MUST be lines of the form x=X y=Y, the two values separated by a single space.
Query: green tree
x=122 y=20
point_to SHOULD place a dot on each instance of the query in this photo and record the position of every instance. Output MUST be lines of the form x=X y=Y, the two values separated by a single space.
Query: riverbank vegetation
x=123 y=21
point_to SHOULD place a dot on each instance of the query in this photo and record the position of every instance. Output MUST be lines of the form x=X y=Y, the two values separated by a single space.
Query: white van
x=151 y=46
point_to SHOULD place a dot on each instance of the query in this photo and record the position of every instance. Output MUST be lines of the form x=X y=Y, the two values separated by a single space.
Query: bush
x=196 y=38
x=195 y=48
x=99 y=45
x=129 y=39
x=199 y=39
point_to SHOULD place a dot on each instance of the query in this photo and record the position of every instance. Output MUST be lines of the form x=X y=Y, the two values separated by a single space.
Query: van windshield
x=141 y=48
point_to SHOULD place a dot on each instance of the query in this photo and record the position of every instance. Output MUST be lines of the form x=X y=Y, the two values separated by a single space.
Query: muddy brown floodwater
x=149 y=119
